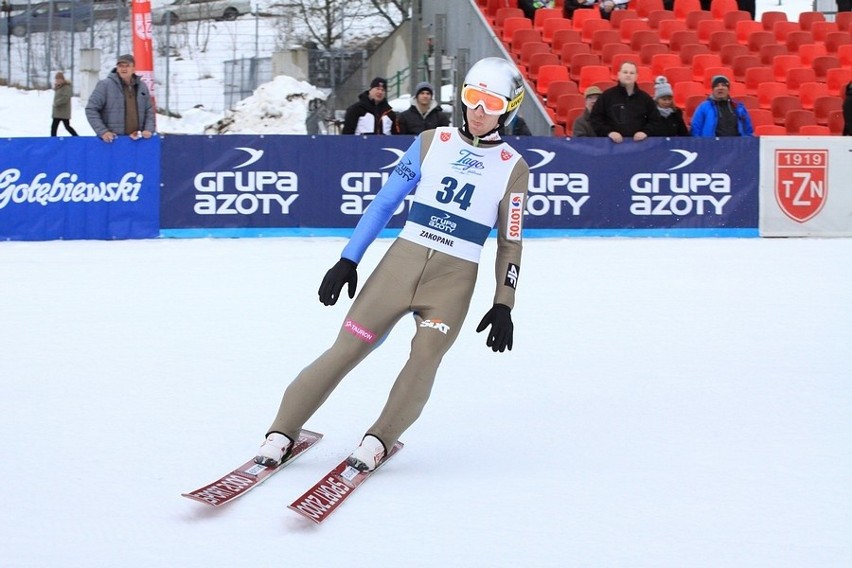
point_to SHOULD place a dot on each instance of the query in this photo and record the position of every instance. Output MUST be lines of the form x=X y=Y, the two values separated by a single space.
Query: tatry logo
x=445 y=136
x=801 y=182
x=504 y=155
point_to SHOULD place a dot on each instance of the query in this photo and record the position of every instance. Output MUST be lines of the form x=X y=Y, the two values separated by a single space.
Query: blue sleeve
x=748 y=129
x=400 y=183
x=696 y=127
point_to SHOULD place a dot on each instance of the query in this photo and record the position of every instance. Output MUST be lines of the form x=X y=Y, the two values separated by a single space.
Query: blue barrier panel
x=79 y=188
x=268 y=185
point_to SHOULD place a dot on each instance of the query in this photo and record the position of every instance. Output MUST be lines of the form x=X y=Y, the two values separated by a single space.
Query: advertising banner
x=79 y=188
x=254 y=185
x=804 y=187
x=143 y=50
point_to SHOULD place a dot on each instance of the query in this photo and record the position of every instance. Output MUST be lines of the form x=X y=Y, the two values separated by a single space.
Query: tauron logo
x=359 y=331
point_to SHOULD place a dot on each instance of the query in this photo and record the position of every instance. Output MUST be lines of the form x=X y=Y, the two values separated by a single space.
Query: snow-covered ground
x=668 y=403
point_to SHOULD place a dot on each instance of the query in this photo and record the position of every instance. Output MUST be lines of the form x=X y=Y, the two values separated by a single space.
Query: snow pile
x=278 y=107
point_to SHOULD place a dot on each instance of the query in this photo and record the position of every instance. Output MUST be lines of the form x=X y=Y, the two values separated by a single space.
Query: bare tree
x=330 y=23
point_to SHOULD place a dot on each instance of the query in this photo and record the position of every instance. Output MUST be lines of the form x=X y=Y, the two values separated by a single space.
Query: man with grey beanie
x=423 y=114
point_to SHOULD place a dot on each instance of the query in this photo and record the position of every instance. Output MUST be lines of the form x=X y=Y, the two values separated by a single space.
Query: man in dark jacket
x=424 y=114
x=847 y=111
x=625 y=110
x=372 y=114
x=121 y=104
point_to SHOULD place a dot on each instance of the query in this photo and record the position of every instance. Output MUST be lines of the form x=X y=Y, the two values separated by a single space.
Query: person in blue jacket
x=720 y=115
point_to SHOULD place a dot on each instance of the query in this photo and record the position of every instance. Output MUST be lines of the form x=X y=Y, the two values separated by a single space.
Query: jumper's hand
x=499 y=317
x=344 y=272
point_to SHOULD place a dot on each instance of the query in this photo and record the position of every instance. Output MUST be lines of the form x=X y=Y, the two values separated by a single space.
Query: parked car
x=65 y=16
x=185 y=10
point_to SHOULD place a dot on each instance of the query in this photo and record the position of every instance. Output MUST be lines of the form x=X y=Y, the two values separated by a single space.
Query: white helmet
x=497 y=76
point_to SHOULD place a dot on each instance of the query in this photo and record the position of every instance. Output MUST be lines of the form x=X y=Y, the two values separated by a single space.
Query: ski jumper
x=460 y=191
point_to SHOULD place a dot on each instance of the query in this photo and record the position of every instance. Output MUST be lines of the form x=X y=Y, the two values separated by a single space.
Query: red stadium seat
x=731 y=51
x=768 y=19
x=814 y=130
x=685 y=89
x=678 y=74
x=837 y=79
x=760 y=116
x=769 y=51
x=821 y=29
x=657 y=17
x=552 y=26
x=742 y=63
x=824 y=106
x=601 y=38
x=834 y=40
x=667 y=28
x=769 y=130
x=570 y=118
x=694 y=18
x=681 y=38
x=744 y=28
x=538 y=60
x=822 y=64
x=720 y=39
x=580 y=61
x=811 y=51
x=592 y=25
x=810 y=92
x=798 y=75
x=610 y=50
x=797 y=39
x=701 y=62
x=561 y=37
x=721 y=7
x=649 y=50
x=769 y=90
x=797 y=118
x=569 y=50
x=662 y=61
x=783 y=62
x=645 y=7
x=844 y=21
x=688 y=53
x=580 y=17
x=616 y=17
x=548 y=74
x=558 y=88
x=731 y=19
x=590 y=74
x=682 y=8
x=783 y=104
x=836 y=122
x=807 y=19
x=754 y=76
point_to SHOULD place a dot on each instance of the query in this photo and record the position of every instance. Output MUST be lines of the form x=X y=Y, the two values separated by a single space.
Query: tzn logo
x=671 y=193
x=360 y=187
x=801 y=187
x=555 y=193
x=245 y=192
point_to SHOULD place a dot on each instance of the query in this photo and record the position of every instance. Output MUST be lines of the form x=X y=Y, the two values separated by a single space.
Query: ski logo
x=512 y=274
x=801 y=182
x=436 y=324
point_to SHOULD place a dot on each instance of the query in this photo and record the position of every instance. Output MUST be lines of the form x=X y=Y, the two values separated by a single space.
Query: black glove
x=502 y=328
x=345 y=271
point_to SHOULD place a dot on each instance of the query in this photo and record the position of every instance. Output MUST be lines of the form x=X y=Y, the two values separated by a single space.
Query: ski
x=325 y=497
x=249 y=475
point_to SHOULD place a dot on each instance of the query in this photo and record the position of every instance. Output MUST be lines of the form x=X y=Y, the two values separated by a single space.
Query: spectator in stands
x=625 y=110
x=530 y=6
x=121 y=104
x=582 y=126
x=720 y=115
x=605 y=6
x=517 y=126
x=747 y=5
x=847 y=111
x=61 y=105
x=371 y=114
x=423 y=114
x=671 y=118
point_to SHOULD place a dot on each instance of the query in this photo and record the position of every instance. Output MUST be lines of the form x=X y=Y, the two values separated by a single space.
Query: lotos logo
x=801 y=187
x=436 y=324
x=516 y=216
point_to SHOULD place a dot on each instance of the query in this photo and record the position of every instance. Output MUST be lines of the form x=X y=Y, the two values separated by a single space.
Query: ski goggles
x=492 y=103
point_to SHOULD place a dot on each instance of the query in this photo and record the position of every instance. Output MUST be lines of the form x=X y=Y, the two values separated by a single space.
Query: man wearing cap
x=121 y=105
x=423 y=114
x=371 y=114
x=720 y=115
x=582 y=126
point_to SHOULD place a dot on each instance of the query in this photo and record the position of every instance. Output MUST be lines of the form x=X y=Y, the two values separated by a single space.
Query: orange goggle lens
x=472 y=97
